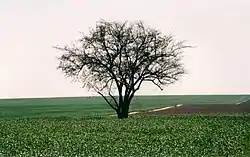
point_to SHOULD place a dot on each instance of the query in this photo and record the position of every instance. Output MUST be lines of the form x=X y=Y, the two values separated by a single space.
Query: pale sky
x=219 y=29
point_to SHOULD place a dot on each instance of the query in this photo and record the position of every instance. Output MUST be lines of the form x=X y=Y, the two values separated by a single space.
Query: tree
x=119 y=57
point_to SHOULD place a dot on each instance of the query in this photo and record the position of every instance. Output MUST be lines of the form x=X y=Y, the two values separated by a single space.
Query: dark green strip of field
x=89 y=106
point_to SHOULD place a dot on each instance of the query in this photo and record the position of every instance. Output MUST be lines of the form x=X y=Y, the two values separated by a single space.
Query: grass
x=136 y=136
x=50 y=127
x=90 y=106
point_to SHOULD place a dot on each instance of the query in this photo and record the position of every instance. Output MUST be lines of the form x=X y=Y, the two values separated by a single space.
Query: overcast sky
x=219 y=29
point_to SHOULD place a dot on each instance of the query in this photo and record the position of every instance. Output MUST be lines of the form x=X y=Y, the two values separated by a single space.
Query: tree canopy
x=119 y=57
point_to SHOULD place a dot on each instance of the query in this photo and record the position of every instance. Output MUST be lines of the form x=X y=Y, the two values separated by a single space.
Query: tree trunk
x=123 y=111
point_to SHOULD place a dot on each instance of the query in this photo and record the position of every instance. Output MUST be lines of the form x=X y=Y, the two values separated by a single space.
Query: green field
x=80 y=127
x=88 y=106
x=136 y=136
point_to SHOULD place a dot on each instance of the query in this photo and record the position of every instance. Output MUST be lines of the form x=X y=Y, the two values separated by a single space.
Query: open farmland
x=80 y=127
x=201 y=109
x=89 y=106
x=136 y=136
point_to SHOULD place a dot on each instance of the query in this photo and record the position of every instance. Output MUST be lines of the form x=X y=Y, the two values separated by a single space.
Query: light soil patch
x=165 y=108
x=242 y=100
x=238 y=103
x=154 y=110
x=133 y=113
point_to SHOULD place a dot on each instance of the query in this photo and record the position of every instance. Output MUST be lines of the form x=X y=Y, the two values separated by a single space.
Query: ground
x=157 y=136
x=90 y=106
x=67 y=127
x=203 y=109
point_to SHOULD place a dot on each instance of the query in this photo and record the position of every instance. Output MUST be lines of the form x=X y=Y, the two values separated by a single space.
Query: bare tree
x=119 y=57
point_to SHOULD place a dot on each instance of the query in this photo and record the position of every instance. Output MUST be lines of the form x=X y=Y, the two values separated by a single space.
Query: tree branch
x=116 y=103
x=107 y=101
